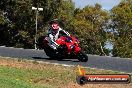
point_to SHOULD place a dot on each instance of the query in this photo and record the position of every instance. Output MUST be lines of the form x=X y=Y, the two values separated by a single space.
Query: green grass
x=39 y=75
x=24 y=78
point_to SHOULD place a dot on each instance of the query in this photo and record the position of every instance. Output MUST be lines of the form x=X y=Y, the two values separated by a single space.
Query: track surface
x=101 y=62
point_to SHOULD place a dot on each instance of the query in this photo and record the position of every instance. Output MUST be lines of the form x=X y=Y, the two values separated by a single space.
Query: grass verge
x=20 y=73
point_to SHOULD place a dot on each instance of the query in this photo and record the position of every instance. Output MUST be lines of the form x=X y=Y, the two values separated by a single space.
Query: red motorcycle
x=68 y=48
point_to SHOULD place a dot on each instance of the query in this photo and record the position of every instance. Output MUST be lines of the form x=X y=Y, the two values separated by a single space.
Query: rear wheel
x=40 y=42
x=82 y=57
x=50 y=53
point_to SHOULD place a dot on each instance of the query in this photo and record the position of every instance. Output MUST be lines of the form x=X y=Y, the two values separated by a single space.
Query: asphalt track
x=101 y=62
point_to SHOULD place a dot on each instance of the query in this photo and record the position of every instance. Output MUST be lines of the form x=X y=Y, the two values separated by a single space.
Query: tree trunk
x=102 y=49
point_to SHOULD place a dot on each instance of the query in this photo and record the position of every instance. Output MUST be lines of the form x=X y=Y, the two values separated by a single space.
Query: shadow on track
x=43 y=58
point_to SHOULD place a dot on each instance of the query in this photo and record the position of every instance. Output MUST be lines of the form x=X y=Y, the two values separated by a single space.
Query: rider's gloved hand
x=56 y=44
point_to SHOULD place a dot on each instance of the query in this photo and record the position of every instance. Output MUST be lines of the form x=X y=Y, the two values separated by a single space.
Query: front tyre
x=82 y=57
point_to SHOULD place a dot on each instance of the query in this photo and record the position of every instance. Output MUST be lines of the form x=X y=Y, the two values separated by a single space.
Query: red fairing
x=68 y=48
x=77 y=49
x=60 y=41
x=69 y=42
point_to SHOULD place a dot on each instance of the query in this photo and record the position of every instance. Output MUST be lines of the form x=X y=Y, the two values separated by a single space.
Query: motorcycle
x=68 y=48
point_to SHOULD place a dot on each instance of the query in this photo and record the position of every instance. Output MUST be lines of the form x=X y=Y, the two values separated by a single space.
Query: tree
x=19 y=25
x=17 y=22
x=121 y=26
x=89 y=24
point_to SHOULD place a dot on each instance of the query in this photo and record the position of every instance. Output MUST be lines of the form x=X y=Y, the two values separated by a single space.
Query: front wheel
x=82 y=57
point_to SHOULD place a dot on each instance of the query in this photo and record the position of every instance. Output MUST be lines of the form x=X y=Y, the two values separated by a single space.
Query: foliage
x=89 y=25
x=22 y=21
x=121 y=16
x=19 y=23
x=92 y=25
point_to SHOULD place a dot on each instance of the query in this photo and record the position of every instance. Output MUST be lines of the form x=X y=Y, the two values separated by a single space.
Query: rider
x=54 y=32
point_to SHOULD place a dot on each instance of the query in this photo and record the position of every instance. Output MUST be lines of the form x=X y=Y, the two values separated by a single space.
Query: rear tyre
x=50 y=53
x=82 y=57
x=40 y=42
